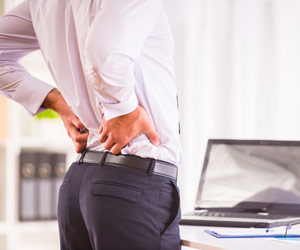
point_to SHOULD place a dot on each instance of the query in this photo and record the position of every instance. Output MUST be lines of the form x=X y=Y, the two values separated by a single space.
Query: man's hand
x=73 y=126
x=119 y=131
x=55 y=101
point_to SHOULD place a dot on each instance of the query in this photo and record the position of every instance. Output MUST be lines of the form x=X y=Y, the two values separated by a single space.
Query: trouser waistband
x=156 y=167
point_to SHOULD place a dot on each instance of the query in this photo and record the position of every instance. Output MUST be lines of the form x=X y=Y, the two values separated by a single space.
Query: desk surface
x=196 y=234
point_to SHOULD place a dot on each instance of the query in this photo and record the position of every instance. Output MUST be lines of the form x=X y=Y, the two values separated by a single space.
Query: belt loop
x=152 y=165
x=103 y=158
x=82 y=156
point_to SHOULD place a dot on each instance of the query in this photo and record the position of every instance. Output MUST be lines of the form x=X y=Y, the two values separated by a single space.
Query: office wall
x=237 y=69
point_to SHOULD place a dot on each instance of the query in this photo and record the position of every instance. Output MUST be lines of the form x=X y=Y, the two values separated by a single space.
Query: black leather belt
x=160 y=168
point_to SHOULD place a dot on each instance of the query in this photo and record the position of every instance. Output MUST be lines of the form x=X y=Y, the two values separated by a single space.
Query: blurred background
x=237 y=65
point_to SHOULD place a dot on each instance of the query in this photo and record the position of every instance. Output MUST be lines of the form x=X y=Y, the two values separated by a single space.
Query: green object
x=50 y=114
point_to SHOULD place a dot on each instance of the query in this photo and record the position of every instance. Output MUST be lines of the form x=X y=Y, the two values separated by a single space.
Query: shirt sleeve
x=17 y=39
x=114 y=43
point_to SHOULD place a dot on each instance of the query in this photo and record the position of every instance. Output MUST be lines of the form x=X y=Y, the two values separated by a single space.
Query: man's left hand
x=119 y=131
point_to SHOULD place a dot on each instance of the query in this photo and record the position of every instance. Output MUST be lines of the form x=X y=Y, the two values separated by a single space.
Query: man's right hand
x=73 y=126
x=55 y=101
x=119 y=131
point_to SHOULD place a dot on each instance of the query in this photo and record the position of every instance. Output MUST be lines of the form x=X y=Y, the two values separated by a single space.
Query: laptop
x=248 y=183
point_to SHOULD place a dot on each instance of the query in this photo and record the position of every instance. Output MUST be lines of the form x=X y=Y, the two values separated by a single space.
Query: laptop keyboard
x=238 y=215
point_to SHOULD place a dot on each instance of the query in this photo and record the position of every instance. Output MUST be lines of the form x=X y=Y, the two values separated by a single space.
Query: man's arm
x=113 y=46
x=17 y=39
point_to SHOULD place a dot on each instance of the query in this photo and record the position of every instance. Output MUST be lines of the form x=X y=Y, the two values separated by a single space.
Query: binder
x=58 y=175
x=28 y=186
x=41 y=174
x=44 y=187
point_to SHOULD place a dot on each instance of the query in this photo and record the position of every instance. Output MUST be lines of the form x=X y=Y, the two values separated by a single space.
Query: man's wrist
x=119 y=109
x=55 y=101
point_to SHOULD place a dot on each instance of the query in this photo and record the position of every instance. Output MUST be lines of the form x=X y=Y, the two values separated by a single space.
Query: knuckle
x=104 y=129
x=76 y=138
x=124 y=140
x=113 y=137
x=102 y=139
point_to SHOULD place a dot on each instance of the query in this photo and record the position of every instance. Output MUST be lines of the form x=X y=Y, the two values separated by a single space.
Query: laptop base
x=194 y=220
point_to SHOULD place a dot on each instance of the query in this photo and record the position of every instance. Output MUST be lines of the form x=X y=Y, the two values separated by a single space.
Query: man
x=113 y=64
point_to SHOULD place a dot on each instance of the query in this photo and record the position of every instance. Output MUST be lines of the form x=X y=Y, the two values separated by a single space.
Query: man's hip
x=121 y=207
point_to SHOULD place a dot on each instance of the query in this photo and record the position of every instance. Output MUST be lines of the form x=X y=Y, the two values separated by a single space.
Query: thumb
x=153 y=136
x=149 y=128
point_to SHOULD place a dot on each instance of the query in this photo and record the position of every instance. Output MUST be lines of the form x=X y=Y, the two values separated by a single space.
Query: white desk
x=196 y=234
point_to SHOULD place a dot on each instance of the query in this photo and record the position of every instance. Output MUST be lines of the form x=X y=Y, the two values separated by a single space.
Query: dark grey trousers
x=113 y=208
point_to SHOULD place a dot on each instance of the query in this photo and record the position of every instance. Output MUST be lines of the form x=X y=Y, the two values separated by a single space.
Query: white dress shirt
x=106 y=57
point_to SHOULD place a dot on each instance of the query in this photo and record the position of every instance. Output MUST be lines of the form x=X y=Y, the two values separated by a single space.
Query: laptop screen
x=250 y=172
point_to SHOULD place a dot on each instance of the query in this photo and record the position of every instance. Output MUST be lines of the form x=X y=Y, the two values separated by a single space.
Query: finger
x=154 y=138
x=152 y=135
x=79 y=147
x=103 y=137
x=73 y=130
x=102 y=125
x=149 y=129
x=81 y=138
x=116 y=148
x=76 y=136
x=109 y=144
x=75 y=122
